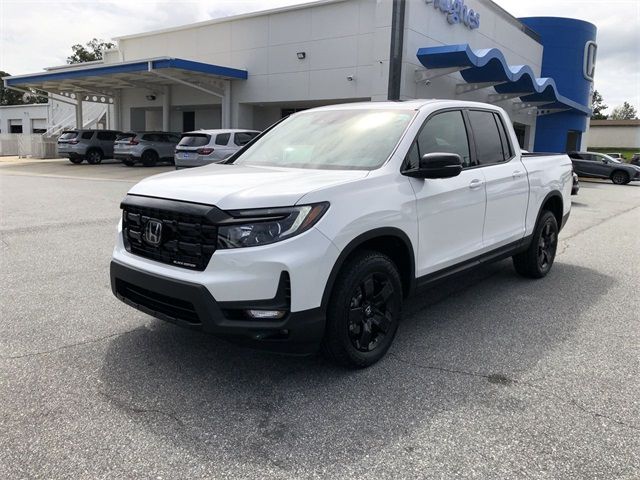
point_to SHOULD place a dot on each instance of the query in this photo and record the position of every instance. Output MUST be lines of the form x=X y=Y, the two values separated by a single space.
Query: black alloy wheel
x=370 y=315
x=364 y=310
x=536 y=261
x=547 y=245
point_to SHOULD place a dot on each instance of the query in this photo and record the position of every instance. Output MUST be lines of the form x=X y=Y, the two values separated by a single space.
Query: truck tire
x=620 y=177
x=537 y=259
x=364 y=310
x=94 y=156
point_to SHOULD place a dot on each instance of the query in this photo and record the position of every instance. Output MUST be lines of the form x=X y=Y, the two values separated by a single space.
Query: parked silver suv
x=92 y=145
x=210 y=146
x=145 y=147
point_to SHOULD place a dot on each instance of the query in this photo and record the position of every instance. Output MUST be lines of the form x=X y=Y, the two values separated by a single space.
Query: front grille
x=187 y=237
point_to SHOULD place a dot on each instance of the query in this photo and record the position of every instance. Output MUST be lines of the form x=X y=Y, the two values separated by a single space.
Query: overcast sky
x=39 y=33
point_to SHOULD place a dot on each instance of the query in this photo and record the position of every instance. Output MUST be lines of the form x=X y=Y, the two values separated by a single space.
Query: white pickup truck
x=312 y=235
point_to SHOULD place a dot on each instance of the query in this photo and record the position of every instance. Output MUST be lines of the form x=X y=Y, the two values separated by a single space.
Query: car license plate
x=186 y=156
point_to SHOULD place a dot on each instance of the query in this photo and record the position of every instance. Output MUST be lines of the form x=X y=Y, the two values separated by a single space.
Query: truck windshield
x=330 y=139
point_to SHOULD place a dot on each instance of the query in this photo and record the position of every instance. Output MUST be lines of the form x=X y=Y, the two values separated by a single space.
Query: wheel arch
x=554 y=203
x=150 y=150
x=621 y=170
x=390 y=241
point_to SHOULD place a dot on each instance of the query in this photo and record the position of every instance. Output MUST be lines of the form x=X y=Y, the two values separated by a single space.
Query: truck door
x=507 y=185
x=450 y=210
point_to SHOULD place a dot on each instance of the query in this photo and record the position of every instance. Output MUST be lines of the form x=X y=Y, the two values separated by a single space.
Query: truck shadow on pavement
x=461 y=344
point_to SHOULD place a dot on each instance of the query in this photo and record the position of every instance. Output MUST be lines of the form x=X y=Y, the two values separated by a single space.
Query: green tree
x=12 y=97
x=597 y=105
x=89 y=52
x=626 y=111
x=8 y=97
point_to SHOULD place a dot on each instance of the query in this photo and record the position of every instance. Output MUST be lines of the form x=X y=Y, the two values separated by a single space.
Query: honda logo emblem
x=153 y=232
x=589 y=63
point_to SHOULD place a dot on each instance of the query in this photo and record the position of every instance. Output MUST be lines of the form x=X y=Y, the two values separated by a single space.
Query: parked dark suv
x=599 y=165
x=90 y=145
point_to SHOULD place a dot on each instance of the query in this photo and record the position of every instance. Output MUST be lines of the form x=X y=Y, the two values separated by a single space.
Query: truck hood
x=231 y=187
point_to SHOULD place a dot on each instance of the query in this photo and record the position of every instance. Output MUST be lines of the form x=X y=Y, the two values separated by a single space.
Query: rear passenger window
x=487 y=136
x=223 y=138
x=106 y=136
x=446 y=133
x=507 y=152
x=242 y=138
x=87 y=135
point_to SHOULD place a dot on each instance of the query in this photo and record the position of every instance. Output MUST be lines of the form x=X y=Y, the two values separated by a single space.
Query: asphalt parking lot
x=490 y=376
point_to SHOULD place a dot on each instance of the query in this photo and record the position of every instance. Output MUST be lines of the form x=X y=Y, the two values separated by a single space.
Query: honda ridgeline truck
x=312 y=236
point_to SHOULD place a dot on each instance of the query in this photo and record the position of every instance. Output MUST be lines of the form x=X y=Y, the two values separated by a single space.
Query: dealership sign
x=457 y=12
x=589 y=63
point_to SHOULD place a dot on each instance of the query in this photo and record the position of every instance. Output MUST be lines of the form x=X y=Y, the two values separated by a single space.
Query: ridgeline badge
x=457 y=12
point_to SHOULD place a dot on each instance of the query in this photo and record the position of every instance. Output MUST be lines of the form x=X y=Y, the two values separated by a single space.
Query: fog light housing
x=265 y=314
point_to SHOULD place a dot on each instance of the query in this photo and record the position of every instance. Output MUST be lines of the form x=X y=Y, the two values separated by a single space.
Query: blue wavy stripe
x=490 y=65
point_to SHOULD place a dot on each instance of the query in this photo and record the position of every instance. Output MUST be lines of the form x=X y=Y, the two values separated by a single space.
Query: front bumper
x=191 y=305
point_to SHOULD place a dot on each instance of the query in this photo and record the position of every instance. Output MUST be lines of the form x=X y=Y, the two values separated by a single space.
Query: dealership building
x=250 y=70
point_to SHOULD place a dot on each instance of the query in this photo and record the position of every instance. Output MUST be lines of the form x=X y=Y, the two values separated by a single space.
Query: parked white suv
x=315 y=234
x=203 y=147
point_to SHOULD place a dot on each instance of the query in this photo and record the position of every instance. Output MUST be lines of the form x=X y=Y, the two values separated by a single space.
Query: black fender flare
x=550 y=195
x=358 y=241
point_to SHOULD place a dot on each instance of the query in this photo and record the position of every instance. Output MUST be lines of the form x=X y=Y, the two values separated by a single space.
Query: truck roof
x=416 y=104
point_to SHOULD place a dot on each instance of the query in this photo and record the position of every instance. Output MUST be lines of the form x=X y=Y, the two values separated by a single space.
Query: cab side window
x=489 y=142
x=443 y=133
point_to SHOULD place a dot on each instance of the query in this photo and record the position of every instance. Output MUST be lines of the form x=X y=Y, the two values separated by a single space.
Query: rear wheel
x=536 y=261
x=620 y=178
x=94 y=157
x=76 y=160
x=364 y=311
x=129 y=163
x=149 y=158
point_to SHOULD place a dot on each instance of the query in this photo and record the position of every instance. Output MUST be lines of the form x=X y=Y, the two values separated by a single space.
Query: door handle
x=518 y=174
x=475 y=183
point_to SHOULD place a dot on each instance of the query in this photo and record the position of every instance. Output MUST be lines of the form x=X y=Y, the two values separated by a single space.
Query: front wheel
x=620 y=178
x=364 y=310
x=536 y=261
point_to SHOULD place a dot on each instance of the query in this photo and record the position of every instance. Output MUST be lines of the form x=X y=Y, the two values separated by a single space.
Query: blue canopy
x=490 y=65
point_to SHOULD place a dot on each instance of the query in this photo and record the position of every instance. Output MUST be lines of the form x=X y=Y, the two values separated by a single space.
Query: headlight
x=252 y=228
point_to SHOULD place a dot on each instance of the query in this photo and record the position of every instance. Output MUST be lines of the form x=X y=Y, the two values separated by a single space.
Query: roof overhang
x=489 y=67
x=107 y=78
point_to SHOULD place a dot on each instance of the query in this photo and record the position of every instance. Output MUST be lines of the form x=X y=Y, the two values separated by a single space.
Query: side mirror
x=437 y=165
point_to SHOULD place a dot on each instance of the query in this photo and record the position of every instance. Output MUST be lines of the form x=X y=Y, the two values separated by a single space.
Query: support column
x=117 y=109
x=226 y=105
x=79 y=123
x=166 y=109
